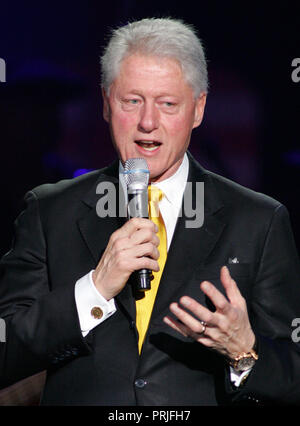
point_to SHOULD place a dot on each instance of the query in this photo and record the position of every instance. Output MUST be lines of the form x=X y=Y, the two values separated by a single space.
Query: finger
x=145 y=249
x=146 y=263
x=188 y=320
x=232 y=291
x=144 y=235
x=198 y=310
x=186 y=332
x=216 y=297
x=133 y=225
x=135 y=257
x=181 y=328
x=140 y=222
x=138 y=237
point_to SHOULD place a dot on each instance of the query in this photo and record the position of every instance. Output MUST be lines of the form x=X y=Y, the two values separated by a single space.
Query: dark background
x=51 y=125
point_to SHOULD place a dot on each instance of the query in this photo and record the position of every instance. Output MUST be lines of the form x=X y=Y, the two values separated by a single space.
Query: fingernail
x=174 y=307
x=185 y=301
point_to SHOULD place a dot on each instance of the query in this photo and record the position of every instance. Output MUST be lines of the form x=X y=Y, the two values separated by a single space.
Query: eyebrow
x=160 y=95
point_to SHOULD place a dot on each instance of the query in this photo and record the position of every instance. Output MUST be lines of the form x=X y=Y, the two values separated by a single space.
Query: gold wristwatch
x=244 y=361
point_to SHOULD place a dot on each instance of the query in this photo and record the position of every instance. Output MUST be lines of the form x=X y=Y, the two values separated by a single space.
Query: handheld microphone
x=136 y=175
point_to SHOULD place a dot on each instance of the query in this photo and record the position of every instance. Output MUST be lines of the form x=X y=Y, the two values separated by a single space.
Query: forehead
x=142 y=72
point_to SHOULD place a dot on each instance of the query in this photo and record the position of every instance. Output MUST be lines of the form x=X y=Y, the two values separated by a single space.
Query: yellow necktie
x=144 y=306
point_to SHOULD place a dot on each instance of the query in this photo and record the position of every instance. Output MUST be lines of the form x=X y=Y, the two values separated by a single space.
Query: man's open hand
x=227 y=330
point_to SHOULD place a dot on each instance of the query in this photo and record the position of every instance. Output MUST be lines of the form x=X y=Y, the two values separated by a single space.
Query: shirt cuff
x=88 y=297
x=237 y=377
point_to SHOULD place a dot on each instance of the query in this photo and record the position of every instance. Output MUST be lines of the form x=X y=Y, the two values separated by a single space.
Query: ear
x=199 y=109
x=106 y=109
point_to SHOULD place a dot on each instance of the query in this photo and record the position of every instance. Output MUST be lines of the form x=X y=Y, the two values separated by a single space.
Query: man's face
x=152 y=111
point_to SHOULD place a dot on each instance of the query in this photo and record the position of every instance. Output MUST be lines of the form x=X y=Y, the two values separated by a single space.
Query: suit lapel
x=190 y=247
x=96 y=231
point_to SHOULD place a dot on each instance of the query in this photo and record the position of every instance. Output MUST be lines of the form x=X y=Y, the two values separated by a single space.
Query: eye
x=170 y=107
x=131 y=101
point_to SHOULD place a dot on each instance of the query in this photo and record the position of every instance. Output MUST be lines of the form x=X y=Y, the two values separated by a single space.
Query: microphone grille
x=136 y=171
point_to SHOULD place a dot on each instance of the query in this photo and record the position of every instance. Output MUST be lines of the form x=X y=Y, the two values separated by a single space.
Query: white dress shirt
x=86 y=294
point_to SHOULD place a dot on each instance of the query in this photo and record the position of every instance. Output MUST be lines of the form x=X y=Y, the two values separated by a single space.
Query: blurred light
x=292 y=157
x=80 y=172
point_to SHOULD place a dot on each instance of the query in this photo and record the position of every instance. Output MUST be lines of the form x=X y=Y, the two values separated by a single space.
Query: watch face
x=245 y=363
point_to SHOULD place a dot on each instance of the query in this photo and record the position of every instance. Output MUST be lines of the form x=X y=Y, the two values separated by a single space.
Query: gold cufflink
x=97 y=312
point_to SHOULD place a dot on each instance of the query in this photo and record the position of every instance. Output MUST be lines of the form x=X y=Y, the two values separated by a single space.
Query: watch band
x=245 y=360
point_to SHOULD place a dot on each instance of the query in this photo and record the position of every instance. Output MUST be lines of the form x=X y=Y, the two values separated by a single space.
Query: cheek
x=122 y=123
x=179 y=127
x=121 y=128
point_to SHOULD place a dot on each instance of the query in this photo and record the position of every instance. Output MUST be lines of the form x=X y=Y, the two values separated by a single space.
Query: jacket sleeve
x=42 y=326
x=275 y=303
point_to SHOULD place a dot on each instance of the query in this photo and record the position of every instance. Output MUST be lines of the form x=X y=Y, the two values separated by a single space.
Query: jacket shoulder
x=232 y=194
x=241 y=197
x=65 y=187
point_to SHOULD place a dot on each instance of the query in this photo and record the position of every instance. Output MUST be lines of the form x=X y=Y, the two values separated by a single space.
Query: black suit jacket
x=59 y=238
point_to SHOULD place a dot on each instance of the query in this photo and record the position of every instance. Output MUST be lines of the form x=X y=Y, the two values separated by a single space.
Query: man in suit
x=219 y=327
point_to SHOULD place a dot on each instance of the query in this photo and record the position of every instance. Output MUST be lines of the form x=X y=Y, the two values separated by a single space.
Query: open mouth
x=148 y=145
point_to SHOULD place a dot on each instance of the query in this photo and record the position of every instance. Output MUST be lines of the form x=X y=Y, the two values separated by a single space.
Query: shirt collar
x=173 y=187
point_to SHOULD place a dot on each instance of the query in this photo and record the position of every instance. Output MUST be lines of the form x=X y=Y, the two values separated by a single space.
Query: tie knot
x=155 y=194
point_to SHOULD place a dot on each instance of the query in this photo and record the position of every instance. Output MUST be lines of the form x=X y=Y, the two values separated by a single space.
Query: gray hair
x=163 y=37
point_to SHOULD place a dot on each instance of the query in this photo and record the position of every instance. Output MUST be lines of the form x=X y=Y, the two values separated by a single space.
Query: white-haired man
x=217 y=329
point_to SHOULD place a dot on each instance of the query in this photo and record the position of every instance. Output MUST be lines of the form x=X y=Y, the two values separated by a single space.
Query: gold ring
x=204 y=327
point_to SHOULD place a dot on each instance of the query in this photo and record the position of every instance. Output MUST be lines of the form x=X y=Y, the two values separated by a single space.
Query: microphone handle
x=138 y=207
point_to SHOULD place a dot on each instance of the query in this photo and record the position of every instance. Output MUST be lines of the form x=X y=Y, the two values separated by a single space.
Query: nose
x=149 y=119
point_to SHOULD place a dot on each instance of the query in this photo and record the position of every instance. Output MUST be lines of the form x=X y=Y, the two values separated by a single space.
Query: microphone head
x=136 y=171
